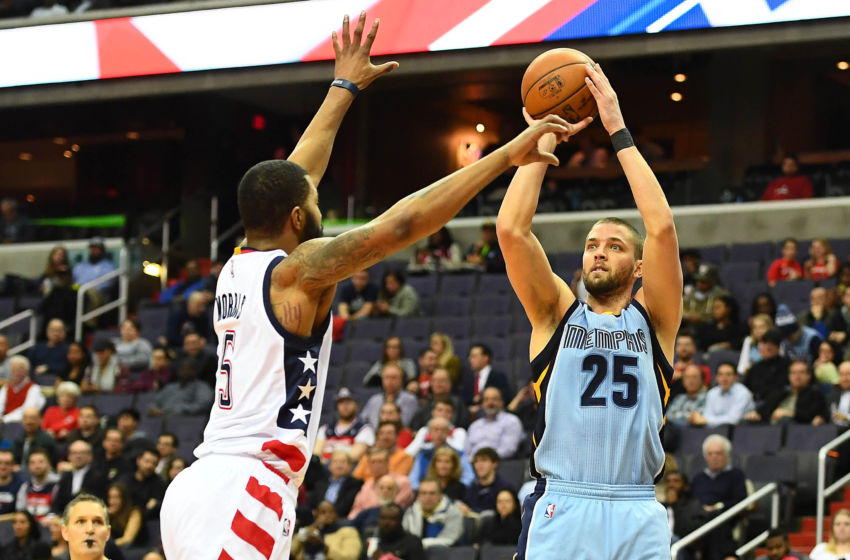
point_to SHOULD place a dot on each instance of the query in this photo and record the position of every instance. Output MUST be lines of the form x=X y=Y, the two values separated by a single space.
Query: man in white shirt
x=729 y=401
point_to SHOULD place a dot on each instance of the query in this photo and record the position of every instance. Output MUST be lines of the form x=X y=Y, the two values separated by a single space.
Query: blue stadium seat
x=497 y=552
x=492 y=325
x=752 y=439
x=29 y=302
x=717 y=357
x=841 y=248
x=458 y=284
x=369 y=329
x=794 y=294
x=364 y=351
x=492 y=305
x=452 y=306
x=751 y=252
x=455 y=327
x=425 y=286
x=352 y=373
x=111 y=404
x=770 y=468
x=714 y=254
x=800 y=437
x=692 y=438
x=491 y=284
x=514 y=471
x=734 y=273
x=7 y=307
x=413 y=327
x=451 y=553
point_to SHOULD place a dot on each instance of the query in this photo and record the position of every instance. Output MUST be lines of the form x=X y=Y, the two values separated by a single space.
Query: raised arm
x=661 y=293
x=319 y=263
x=352 y=63
x=543 y=294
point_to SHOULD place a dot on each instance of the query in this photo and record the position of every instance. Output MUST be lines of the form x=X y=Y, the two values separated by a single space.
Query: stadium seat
x=841 y=248
x=457 y=285
x=363 y=351
x=717 y=357
x=150 y=425
x=425 y=286
x=751 y=252
x=186 y=428
x=757 y=439
x=456 y=327
x=794 y=294
x=452 y=306
x=497 y=552
x=715 y=254
x=770 y=468
x=143 y=401
x=369 y=329
x=352 y=373
x=450 y=553
x=492 y=305
x=12 y=430
x=500 y=347
x=514 y=471
x=29 y=302
x=337 y=354
x=7 y=307
x=801 y=437
x=412 y=327
x=692 y=438
x=111 y=404
x=154 y=319
x=492 y=284
x=734 y=273
x=492 y=325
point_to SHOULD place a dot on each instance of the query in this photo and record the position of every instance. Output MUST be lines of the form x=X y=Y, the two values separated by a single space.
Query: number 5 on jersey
x=225 y=393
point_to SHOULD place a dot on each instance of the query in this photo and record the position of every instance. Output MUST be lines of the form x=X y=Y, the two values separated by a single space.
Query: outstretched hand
x=606 y=98
x=352 y=57
x=548 y=142
x=524 y=149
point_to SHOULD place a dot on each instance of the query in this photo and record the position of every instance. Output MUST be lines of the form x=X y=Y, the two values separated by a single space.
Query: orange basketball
x=553 y=84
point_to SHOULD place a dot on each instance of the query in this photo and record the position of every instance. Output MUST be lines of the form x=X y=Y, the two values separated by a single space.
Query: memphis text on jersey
x=230 y=305
x=580 y=338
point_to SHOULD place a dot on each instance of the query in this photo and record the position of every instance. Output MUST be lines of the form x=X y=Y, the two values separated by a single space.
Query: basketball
x=553 y=84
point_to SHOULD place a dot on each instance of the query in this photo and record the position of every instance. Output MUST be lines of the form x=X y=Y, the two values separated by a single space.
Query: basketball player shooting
x=601 y=368
x=272 y=318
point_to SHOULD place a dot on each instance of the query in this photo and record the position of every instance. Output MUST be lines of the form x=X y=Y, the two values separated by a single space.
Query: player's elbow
x=663 y=227
x=508 y=231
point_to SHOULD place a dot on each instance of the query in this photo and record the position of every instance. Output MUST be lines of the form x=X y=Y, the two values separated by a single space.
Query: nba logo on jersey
x=286 y=527
x=550 y=511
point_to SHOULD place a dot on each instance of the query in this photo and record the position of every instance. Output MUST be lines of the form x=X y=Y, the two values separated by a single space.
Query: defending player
x=272 y=317
x=601 y=369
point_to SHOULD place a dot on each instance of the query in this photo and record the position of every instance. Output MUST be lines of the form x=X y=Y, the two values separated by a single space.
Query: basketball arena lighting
x=680 y=78
x=843 y=65
x=245 y=36
x=152 y=269
x=676 y=96
x=480 y=127
x=25 y=156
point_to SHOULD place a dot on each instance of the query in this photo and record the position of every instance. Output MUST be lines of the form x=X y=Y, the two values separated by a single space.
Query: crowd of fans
x=52 y=8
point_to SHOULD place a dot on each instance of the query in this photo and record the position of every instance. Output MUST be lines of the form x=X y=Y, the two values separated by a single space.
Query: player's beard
x=312 y=228
x=605 y=285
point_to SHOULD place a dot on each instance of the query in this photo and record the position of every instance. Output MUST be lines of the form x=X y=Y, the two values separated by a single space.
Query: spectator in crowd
x=818 y=312
x=441 y=344
x=723 y=330
x=135 y=440
x=505 y=527
x=203 y=360
x=20 y=393
x=57 y=262
x=398 y=462
x=763 y=303
x=82 y=477
x=433 y=517
x=85 y=526
x=10 y=484
x=59 y=548
x=125 y=517
x=27 y=544
x=767 y=377
x=799 y=342
x=440 y=252
x=36 y=494
x=687 y=408
x=482 y=376
x=192 y=317
x=32 y=438
x=438 y=430
x=839 y=539
x=759 y=324
x=357 y=297
x=786 y=267
x=340 y=488
x=698 y=302
x=393 y=540
x=390 y=412
x=445 y=466
x=392 y=383
x=88 y=427
x=62 y=418
x=366 y=522
x=496 y=428
x=146 y=488
x=349 y=433
x=524 y=406
x=792 y=184
x=180 y=291
x=132 y=351
x=729 y=401
x=110 y=457
x=166 y=446
x=778 y=547
x=187 y=395
x=61 y=302
x=684 y=512
x=839 y=400
x=367 y=496
x=397 y=299
x=14 y=228
x=76 y=364
x=97 y=265
x=685 y=354
x=826 y=364
x=156 y=376
x=50 y=356
x=4 y=359
x=482 y=494
x=326 y=537
x=822 y=262
x=718 y=488
x=839 y=322
x=801 y=403
x=691 y=259
x=428 y=363
x=441 y=390
x=486 y=252
x=458 y=436
x=174 y=467
x=105 y=369
x=393 y=353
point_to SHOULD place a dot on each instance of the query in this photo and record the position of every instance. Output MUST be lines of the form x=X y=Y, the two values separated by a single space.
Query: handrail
x=771 y=488
x=227 y=234
x=17 y=318
x=824 y=493
x=120 y=303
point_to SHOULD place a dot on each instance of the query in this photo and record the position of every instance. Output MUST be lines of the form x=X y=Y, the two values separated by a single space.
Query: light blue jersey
x=602 y=384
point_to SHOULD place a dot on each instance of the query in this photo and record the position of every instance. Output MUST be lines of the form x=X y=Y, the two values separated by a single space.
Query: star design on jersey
x=300 y=414
x=309 y=362
x=306 y=389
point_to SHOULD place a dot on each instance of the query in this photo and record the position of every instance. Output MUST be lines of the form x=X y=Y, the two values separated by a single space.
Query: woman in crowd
x=764 y=303
x=61 y=418
x=759 y=325
x=504 y=528
x=825 y=365
x=125 y=518
x=822 y=262
x=132 y=351
x=440 y=252
x=27 y=544
x=59 y=546
x=78 y=361
x=445 y=466
x=397 y=298
x=393 y=352
x=57 y=261
x=839 y=539
x=442 y=344
x=173 y=467
x=724 y=330
x=158 y=374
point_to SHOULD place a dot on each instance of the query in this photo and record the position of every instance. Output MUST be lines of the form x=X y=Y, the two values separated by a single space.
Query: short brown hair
x=636 y=237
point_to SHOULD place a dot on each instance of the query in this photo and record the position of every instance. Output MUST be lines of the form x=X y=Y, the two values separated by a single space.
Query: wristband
x=346 y=84
x=621 y=140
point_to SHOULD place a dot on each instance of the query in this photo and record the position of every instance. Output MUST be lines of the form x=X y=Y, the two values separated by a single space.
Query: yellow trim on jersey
x=237 y=250
x=664 y=382
x=539 y=383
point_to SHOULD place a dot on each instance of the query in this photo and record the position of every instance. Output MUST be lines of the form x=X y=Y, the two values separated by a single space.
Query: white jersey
x=270 y=383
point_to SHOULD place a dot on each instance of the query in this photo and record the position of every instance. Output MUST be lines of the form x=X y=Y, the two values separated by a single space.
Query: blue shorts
x=584 y=521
